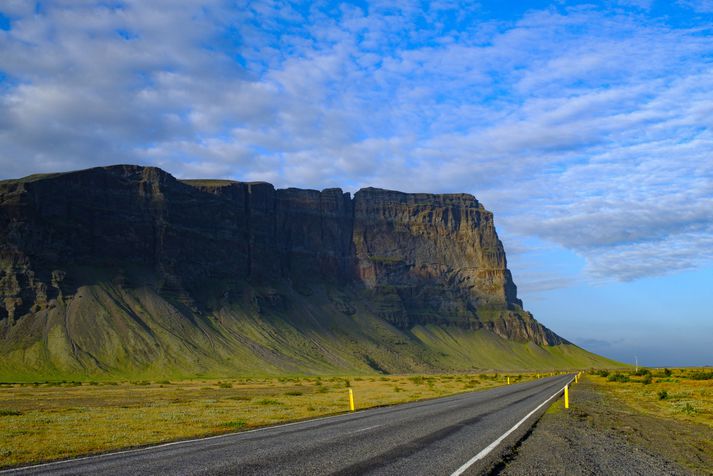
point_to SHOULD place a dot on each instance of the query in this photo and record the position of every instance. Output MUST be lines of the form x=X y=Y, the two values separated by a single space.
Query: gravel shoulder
x=601 y=435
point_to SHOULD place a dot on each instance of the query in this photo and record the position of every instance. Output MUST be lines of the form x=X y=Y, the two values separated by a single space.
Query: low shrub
x=602 y=373
x=646 y=380
x=617 y=377
x=642 y=372
x=293 y=394
x=663 y=395
x=701 y=375
x=6 y=412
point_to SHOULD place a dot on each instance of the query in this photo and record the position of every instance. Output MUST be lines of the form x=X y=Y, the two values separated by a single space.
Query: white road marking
x=175 y=443
x=365 y=429
x=193 y=440
x=225 y=435
x=495 y=443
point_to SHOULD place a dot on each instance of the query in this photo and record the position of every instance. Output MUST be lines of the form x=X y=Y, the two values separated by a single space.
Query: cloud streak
x=587 y=128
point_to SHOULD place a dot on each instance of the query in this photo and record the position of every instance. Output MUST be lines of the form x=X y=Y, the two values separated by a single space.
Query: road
x=422 y=438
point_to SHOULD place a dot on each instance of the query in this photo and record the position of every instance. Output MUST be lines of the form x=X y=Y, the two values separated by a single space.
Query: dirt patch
x=601 y=435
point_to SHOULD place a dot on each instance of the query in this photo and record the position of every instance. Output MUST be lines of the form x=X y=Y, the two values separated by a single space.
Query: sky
x=586 y=127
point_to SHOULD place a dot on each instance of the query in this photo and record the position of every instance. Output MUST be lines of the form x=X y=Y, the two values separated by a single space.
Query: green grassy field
x=666 y=411
x=46 y=421
x=684 y=394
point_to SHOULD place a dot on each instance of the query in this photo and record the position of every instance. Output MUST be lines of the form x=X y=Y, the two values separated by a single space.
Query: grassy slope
x=107 y=331
x=486 y=350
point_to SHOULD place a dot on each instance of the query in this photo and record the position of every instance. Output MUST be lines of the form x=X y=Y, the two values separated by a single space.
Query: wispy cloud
x=704 y=6
x=588 y=128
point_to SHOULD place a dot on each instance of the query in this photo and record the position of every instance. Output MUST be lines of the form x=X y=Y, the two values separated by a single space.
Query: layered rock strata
x=415 y=259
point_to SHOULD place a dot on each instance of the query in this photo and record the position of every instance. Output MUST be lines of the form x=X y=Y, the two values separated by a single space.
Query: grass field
x=41 y=422
x=666 y=411
x=681 y=394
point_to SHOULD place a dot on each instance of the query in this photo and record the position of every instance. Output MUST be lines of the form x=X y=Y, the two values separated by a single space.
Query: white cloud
x=590 y=129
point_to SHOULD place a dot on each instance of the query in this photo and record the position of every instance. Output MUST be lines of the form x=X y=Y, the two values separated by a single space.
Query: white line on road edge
x=495 y=443
x=214 y=437
x=175 y=443
x=206 y=438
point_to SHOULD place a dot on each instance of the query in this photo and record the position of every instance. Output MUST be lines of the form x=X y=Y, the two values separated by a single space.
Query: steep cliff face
x=431 y=258
x=123 y=222
x=207 y=249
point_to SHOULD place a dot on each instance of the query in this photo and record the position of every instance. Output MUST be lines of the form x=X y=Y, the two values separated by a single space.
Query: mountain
x=127 y=271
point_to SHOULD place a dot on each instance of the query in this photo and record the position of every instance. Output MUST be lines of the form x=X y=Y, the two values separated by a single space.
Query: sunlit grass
x=680 y=394
x=40 y=422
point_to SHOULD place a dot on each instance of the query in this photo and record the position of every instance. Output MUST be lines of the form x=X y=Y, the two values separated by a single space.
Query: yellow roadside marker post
x=351 y=400
x=576 y=378
x=566 y=396
x=508 y=380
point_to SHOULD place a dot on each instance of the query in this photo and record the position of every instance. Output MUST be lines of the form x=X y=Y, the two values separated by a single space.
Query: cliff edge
x=125 y=269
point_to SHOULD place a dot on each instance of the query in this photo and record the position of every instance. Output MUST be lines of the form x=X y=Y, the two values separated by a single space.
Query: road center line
x=495 y=443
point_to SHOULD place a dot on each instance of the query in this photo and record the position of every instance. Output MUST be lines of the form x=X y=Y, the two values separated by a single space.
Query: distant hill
x=126 y=271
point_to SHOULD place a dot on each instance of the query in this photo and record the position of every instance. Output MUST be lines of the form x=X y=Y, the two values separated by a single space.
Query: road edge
x=490 y=456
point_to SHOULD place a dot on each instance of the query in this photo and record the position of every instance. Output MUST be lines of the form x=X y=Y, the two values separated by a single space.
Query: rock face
x=204 y=245
x=433 y=258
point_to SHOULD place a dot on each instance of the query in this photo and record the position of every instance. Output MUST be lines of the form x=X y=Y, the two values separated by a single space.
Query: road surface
x=436 y=437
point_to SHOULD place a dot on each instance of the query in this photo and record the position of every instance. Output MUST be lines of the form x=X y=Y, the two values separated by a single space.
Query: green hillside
x=125 y=272
x=109 y=332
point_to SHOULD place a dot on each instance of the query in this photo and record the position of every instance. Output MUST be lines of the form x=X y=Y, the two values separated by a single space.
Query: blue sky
x=584 y=126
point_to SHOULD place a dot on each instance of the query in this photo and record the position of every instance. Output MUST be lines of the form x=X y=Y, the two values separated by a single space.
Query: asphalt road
x=435 y=437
